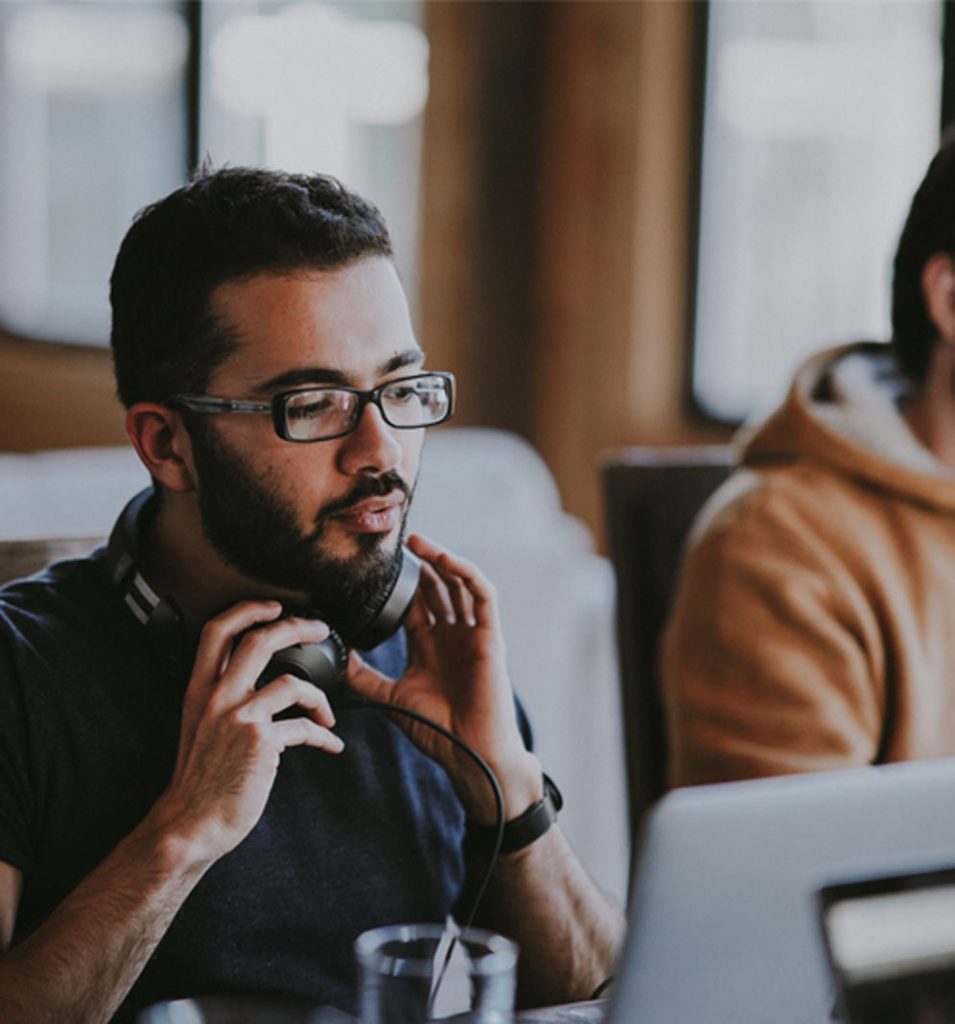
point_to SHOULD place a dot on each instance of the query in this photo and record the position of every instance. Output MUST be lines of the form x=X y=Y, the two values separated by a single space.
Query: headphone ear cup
x=321 y=664
x=396 y=605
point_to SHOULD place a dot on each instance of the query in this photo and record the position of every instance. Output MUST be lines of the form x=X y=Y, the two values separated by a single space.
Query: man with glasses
x=170 y=826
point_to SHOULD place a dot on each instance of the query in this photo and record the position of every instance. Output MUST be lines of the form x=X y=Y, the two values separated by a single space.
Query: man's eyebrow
x=305 y=375
x=410 y=357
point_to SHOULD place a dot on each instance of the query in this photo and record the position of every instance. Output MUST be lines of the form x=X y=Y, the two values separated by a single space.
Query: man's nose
x=371 y=448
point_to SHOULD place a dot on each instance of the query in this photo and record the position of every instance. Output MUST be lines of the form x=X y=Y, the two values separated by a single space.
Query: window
x=104 y=106
x=333 y=87
x=92 y=118
x=820 y=118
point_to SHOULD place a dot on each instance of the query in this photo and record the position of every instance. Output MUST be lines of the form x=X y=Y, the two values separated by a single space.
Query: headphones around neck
x=322 y=664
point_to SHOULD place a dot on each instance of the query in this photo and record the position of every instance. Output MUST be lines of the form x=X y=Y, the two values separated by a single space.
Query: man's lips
x=379 y=514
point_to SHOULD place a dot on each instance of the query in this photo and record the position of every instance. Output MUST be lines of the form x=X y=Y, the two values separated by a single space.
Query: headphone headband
x=165 y=632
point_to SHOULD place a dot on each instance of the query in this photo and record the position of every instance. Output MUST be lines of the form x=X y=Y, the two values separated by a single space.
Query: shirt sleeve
x=15 y=786
x=771 y=660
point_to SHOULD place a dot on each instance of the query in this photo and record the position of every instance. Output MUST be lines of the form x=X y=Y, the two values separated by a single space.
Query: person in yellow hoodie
x=814 y=625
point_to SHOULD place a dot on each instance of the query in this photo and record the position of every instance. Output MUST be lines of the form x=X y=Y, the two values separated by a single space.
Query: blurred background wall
x=542 y=165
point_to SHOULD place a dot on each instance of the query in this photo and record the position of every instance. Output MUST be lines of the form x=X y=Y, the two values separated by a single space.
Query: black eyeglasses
x=324 y=413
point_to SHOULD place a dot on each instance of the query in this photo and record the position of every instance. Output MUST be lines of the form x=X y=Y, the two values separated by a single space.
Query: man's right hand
x=78 y=965
x=229 y=746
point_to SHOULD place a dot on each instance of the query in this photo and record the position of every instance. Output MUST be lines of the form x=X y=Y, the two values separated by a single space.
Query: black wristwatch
x=520 y=831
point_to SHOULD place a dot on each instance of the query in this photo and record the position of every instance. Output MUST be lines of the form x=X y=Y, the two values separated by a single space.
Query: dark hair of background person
x=929 y=229
x=224 y=225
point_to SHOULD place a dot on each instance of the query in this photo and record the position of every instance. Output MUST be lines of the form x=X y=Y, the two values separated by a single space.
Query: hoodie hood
x=842 y=411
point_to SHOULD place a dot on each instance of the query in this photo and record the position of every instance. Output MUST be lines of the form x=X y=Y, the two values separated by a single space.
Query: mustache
x=368 y=487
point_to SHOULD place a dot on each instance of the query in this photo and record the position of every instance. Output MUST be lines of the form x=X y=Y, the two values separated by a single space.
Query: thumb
x=366 y=681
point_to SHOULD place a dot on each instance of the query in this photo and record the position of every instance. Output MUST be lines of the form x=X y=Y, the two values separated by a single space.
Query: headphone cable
x=356 y=703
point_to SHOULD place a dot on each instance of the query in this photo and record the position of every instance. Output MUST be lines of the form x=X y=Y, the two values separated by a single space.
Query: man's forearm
x=569 y=932
x=82 y=961
x=79 y=965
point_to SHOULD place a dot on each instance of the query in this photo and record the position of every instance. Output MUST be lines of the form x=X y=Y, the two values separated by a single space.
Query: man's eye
x=313 y=408
x=403 y=393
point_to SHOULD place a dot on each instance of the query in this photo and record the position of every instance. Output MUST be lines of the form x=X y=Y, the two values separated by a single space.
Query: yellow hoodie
x=814 y=626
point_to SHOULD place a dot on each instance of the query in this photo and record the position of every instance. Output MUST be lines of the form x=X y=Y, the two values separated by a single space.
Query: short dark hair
x=224 y=225
x=929 y=229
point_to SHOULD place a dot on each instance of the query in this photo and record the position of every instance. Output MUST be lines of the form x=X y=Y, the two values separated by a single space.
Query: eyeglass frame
x=214 y=405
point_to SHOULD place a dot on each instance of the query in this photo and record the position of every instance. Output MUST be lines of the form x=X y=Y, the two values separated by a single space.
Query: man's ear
x=163 y=445
x=938 y=287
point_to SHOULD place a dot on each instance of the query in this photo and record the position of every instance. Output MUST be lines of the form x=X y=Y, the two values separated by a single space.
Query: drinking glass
x=414 y=973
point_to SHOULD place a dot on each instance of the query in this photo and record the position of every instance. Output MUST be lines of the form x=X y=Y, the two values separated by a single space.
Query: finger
x=252 y=653
x=303 y=732
x=449 y=566
x=435 y=594
x=215 y=644
x=367 y=681
x=289 y=691
x=219 y=634
x=419 y=617
x=447 y=563
x=482 y=593
x=425 y=548
x=461 y=597
x=457 y=603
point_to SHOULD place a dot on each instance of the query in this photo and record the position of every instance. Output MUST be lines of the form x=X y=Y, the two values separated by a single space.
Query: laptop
x=723 y=908
x=890 y=942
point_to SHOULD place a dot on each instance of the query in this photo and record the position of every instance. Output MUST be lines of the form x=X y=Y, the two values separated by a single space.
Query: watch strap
x=521 y=831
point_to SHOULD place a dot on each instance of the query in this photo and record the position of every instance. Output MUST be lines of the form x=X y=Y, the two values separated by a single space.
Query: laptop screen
x=891 y=947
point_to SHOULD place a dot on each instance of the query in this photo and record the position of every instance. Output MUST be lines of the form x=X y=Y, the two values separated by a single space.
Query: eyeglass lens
x=326 y=412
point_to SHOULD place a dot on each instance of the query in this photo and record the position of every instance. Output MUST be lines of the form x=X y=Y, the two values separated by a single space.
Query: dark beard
x=257 y=533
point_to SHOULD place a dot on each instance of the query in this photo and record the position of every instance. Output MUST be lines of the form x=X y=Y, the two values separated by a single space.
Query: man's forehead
x=345 y=326
x=359 y=293
x=302 y=376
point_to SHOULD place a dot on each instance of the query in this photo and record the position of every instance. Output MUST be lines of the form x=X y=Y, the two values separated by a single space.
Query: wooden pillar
x=616 y=194
x=558 y=183
x=480 y=201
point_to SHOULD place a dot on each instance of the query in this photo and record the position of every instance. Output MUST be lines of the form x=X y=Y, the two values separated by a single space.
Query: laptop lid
x=723 y=903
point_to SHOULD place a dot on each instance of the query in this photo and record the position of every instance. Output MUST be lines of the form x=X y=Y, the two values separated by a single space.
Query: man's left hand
x=457 y=676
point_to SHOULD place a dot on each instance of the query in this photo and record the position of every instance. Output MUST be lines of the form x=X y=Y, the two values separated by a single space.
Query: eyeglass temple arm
x=205 y=403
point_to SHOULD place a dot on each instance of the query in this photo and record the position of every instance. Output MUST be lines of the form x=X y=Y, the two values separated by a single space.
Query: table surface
x=240 y=1010
x=592 y=1011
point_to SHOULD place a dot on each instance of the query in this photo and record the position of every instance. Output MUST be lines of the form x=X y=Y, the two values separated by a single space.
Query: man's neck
x=931 y=414
x=178 y=562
